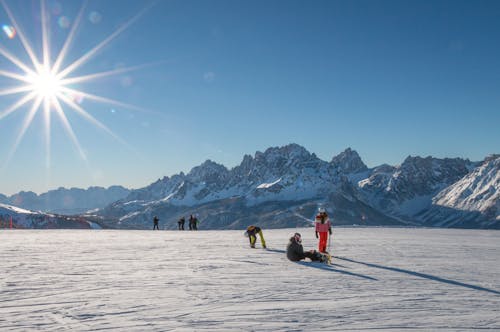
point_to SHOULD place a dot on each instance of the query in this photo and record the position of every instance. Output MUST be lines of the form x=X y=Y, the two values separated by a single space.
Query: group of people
x=294 y=249
x=193 y=223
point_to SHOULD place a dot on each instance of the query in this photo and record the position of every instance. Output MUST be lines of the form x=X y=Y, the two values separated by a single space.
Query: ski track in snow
x=381 y=279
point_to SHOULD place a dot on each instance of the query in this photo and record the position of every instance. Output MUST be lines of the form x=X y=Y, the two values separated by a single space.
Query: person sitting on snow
x=251 y=233
x=295 y=252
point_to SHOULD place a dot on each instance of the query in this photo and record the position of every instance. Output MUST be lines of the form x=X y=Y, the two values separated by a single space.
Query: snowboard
x=327 y=258
x=324 y=258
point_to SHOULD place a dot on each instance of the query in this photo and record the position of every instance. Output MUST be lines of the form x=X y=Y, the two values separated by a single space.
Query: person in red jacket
x=323 y=228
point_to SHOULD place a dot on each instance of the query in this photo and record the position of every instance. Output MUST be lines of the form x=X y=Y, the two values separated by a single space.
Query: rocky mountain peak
x=209 y=171
x=348 y=161
x=287 y=152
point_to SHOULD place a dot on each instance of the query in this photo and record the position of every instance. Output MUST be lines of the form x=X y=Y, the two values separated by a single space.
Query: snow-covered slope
x=67 y=201
x=474 y=198
x=477 y=191
x=408 y=189
x=386 y=279
x=21 y=218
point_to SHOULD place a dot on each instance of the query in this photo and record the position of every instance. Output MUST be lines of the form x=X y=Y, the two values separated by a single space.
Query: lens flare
x=64 y=22
x=95 y=17
x=9 y=31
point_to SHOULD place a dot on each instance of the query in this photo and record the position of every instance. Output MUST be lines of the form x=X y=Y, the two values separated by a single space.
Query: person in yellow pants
x=252 y=232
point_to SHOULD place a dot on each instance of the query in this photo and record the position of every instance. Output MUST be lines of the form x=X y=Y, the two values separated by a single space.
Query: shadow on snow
x=421 y=275
x=325 y=267
x=330 y=268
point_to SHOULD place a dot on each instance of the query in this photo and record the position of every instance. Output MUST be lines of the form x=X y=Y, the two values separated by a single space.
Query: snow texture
x=382 y=278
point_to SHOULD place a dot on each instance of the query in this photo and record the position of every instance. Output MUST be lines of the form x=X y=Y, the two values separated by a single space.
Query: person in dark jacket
x=155 y=223
x=295 y=252
x=193 y=223
x=252 y=232
x=181 y=223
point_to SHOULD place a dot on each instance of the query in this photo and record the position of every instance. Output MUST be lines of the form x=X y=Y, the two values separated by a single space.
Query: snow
x=268 y=185
x=15 y=209
x=385 y=278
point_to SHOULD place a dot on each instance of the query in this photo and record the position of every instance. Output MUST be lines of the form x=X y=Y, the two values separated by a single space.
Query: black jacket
x=294 y=250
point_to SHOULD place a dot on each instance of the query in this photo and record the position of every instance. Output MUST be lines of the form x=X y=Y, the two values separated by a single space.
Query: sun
x=44 y=83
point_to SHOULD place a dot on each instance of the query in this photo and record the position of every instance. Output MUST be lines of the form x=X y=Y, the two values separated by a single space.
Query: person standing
x=195 y=223
x=323 y=228
x=192 y=223
x=181 y=223
x=156 y=223
x=252 y=232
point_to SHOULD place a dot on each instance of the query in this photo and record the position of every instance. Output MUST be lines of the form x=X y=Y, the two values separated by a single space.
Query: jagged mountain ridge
x=281 y=176
x=280 y=187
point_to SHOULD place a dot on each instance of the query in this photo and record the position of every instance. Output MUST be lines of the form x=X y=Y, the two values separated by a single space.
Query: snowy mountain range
x=283 y=187
x=14 y=217
x=66 y=201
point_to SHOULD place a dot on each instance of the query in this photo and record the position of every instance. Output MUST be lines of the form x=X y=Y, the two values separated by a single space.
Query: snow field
x=382 y=279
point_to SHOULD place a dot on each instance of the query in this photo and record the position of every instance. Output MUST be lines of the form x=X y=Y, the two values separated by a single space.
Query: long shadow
x=330 y=268
x=421 y=275
x=323 y=266
x=276 y=250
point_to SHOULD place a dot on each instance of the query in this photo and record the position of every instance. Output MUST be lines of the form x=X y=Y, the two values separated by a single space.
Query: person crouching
x=252 y=232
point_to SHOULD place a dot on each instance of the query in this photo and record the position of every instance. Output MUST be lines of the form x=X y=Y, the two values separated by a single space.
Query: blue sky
x=221 y=79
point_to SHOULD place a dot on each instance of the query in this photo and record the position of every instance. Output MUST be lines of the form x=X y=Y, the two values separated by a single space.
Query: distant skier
x=323 y=228
x=155 y=223
x=181 y=223
x=252 y=232
x=295 y=252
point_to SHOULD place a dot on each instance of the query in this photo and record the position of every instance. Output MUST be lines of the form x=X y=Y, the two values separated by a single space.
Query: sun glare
x=44 y=83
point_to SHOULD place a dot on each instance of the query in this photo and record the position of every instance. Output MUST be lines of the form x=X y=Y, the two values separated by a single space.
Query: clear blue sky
x=227 y=78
